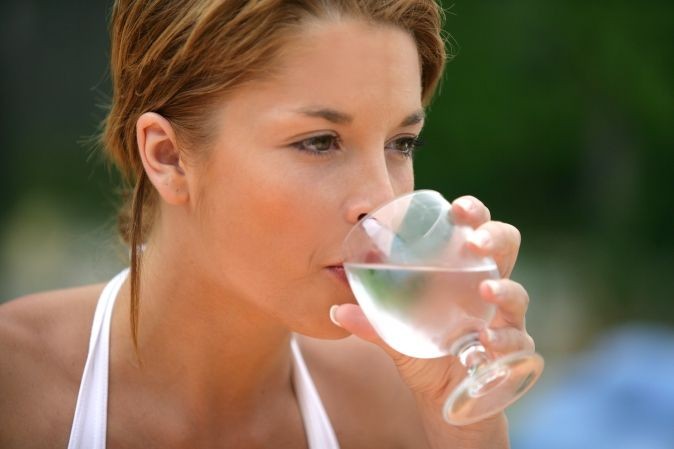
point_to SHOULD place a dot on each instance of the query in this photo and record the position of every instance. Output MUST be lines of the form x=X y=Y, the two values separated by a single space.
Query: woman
x=255 y=133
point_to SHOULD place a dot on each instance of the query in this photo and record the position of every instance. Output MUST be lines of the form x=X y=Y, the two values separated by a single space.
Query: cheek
x=258 y=218
x=403 y=178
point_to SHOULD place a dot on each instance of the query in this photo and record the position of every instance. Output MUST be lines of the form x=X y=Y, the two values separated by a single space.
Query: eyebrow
x=328 y=114
x=341 y=118
x=413 y=118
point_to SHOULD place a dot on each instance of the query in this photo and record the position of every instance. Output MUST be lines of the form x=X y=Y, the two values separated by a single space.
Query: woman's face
x=298 y=158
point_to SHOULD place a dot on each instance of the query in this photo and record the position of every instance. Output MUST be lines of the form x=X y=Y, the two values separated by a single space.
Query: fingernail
x=333 y=315
x=480 y=238
x=491 y=335
x=494 y=287
x=465 y=204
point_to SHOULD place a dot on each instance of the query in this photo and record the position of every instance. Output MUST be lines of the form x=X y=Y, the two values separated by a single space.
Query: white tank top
x=91 y=412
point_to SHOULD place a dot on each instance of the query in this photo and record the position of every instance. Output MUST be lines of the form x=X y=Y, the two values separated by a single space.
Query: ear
x=160 y=154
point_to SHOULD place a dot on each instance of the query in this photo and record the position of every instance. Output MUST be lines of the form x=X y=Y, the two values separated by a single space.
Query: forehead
x=351 y=66
x=346 y=50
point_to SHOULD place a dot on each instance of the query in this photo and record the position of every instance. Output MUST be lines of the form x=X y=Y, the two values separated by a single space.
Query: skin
x=238 y=259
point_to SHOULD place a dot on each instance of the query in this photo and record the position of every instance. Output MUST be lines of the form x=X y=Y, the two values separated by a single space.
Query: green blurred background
x=559 y=115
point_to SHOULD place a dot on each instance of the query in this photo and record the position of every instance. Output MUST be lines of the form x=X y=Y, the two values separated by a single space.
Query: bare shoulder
x=368 y=403
x=45 y=326
x=43 y=341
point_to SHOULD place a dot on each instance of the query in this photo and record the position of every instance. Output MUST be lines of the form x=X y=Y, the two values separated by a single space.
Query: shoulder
x=49 y=326
x=43 y=341
x=366 y=399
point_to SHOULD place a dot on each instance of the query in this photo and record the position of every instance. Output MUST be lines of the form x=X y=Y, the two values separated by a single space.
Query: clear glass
x=418 y=284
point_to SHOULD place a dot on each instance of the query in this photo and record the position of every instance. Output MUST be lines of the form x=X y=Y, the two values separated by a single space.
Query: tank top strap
x=89 y=427
x=319 y=431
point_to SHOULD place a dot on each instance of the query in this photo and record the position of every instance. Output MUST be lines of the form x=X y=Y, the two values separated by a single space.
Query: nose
x=371 y=189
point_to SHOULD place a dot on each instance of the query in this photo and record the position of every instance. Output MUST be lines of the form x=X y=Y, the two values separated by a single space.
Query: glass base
x=492 y=388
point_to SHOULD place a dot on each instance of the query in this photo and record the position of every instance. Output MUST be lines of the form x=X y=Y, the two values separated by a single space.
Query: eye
x=406 y=145
x=318 y=145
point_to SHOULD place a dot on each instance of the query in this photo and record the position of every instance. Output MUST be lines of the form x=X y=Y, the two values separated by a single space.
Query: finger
x=499 y=240
x=352 y=318
x=511 y=300
x=506 y=340
x=468 y=210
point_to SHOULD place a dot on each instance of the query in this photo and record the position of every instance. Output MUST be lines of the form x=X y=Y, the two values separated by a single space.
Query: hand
x=431 y=380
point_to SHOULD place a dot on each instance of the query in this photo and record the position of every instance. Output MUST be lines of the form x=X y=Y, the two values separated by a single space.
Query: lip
x=339 y=273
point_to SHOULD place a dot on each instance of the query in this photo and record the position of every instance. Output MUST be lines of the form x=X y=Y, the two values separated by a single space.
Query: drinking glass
x=418 y=284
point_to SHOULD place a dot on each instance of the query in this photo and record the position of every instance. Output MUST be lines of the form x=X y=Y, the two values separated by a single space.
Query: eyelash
x=415 y=141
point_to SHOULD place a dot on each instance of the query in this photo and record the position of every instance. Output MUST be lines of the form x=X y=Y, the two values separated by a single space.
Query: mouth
x=338 y=272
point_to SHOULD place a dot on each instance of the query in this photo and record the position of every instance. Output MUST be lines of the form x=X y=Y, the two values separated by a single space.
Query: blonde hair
x=179 y=58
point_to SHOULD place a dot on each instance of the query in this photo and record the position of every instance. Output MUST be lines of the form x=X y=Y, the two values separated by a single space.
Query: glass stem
x=472 y=355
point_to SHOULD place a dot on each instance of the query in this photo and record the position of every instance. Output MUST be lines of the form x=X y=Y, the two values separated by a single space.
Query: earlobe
x=160 y=154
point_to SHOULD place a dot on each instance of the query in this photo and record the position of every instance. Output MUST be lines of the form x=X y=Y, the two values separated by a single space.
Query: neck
x=212 y=350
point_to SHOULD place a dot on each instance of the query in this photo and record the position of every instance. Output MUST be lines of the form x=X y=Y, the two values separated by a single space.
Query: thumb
x=352 y=318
